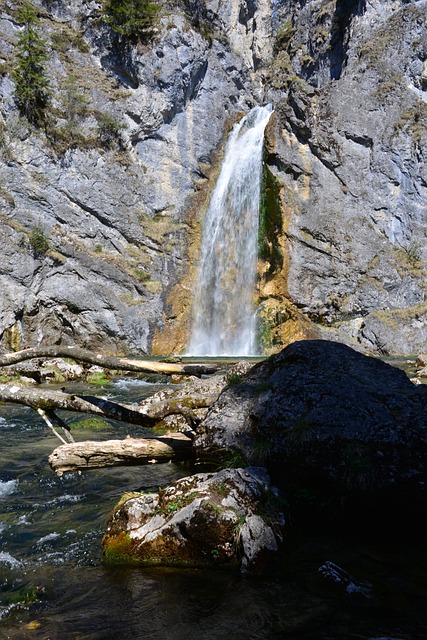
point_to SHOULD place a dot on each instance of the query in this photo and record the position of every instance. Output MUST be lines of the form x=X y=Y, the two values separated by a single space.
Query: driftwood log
x=49 y=400
x=147 y=414
x=108 y=362
x=112 y=453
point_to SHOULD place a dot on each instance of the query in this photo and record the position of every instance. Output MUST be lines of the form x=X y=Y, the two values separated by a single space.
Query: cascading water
x=224 y=321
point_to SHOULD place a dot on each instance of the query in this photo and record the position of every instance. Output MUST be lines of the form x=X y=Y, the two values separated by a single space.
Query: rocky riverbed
x=342 y=435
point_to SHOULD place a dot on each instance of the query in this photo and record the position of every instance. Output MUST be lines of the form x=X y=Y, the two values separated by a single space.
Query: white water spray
x=224 y=320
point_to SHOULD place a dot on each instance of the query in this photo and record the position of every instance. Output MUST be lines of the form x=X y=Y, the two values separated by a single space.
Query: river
x=54 y=586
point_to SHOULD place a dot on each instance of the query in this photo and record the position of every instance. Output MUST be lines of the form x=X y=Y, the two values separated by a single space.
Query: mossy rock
x=25 y=596
x=90 y=423
x=118 y=549
x=270 y=222
x=98 y=378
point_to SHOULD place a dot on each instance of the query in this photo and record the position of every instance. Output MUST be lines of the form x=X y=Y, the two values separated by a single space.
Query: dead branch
x=49 y=400
x=60 y=422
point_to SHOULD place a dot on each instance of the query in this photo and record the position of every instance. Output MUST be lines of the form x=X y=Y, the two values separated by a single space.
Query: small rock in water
x=338 y=578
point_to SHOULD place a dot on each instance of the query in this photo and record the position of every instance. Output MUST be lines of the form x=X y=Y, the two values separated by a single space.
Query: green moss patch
x=97 y=377
x=270 y=222
x=90 y=423
x=118 y=549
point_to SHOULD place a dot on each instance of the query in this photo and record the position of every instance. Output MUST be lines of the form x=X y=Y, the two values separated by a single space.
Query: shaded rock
x=231 y=517
x=341 y=581
x=335 y=426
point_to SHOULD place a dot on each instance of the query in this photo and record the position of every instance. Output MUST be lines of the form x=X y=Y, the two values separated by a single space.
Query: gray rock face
x=328 y=420
x=349 y=156
x=182 y=408
x=206 y=519
x=119 y=183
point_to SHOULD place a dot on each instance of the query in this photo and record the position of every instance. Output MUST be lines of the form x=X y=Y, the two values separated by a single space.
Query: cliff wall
x=348 y=152
x=100 y=211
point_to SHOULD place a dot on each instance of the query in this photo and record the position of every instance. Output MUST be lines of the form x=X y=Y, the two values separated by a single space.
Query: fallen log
x=50 y=400
x=108 y=362
x=112 y=453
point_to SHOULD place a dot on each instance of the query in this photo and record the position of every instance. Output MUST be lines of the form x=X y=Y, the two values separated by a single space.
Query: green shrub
x=284 y=36
x=39 y=241
x=233 y=378
x=74 y=101
x=108 y=129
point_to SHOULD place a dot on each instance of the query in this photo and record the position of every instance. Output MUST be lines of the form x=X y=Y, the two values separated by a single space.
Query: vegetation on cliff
x=30 y=77
x=132 y=19
x=118 y=168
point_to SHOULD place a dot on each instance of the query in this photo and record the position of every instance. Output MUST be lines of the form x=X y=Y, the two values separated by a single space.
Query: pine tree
x=31 y=83
x=131 y=18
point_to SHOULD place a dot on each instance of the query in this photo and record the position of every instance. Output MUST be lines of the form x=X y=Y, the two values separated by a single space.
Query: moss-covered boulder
x=229 y=518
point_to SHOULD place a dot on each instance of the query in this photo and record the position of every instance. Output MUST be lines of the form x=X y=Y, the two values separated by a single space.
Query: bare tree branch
x=49 y=400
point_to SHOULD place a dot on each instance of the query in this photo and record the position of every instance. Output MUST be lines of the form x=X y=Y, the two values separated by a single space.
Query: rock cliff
x=100 y=212
x=347 y=149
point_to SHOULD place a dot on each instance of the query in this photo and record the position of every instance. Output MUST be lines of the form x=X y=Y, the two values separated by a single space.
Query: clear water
x=224 y=320
x=50 y=537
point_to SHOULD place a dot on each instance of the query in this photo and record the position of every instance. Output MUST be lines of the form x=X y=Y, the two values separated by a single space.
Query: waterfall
x=224 y=321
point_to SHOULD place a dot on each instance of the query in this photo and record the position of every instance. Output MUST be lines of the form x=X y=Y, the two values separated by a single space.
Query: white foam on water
x=8 y=487
x=10 y=561
x=67 y=497
x=4 y=611
x=125 y=385
x=48 y=538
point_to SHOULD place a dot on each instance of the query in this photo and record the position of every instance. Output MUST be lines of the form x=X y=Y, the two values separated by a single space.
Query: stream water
x=54 y=586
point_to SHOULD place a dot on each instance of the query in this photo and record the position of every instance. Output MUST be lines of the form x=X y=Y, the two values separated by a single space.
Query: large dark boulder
x=340 y=432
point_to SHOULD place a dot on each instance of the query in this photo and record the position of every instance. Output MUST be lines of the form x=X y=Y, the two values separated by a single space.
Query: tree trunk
x=113 y=453
x=108 y=362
